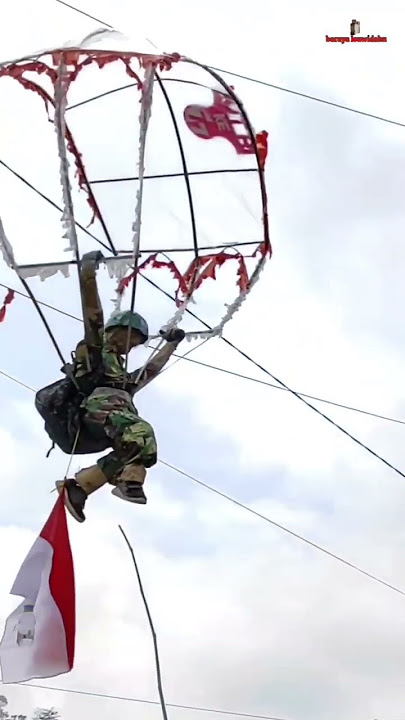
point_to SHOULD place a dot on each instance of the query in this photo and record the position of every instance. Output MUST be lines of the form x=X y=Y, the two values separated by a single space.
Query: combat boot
x=77 y=490
x=129 y=486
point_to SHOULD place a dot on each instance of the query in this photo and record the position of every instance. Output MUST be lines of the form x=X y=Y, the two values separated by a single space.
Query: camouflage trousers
x=112 y=413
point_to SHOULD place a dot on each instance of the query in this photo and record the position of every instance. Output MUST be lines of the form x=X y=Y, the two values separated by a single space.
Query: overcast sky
x=248 y=618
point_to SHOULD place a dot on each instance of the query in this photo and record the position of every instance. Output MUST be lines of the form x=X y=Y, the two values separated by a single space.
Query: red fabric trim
x=7 y=300
x=205 y=266
x=71 y=145
x=152 y=261
x=72 y=58
x=262 y=147
x=201 y=268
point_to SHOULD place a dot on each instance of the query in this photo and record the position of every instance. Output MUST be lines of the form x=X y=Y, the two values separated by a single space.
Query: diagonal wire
x=283 y=385
x=125 y=698
x=233 y=373
x=185 y=356
x=228 y=342
x=263 y=369
x=91 y=17
x=19 y=382
x=44 y=304
x=259 y=515
x=259 y=82
x=250 y=359
x=51 y=202
x=264 y=83
x=285 y=529
x=277 y=387
x=82 y=12
x=309 y=97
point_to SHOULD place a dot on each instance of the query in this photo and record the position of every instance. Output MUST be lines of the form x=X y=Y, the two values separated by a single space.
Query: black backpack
x=59 y=406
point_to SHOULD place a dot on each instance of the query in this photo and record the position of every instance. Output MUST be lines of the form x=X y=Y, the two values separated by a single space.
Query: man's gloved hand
x=175 y=335
x=93 y=258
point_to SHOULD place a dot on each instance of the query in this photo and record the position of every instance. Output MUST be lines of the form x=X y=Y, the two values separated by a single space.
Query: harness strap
x=50 y=450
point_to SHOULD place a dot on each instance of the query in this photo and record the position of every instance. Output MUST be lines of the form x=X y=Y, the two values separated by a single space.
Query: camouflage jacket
x=113 y=364
x=113 y=368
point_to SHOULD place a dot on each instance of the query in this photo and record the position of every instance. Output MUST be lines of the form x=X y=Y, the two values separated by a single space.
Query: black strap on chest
x=85 y=384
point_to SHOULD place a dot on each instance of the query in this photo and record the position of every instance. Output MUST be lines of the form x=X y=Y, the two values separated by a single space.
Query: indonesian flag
x=39 y=636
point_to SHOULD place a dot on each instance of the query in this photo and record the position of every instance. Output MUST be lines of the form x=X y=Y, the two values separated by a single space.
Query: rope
x=53 y=445
x=185 y=356
x=247 y=357
x=241 y=352
x=152 y=628
x=126 y=698
x=284 y=386
x=51 y=202
x=387 y=418
x=264 y=83
x=285 y=529
x=72 y=453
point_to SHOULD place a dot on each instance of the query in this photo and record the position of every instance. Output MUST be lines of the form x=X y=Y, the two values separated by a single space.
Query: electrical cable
x=260 y=367
x=314 y=98
x=280 y=382
x=51 y=202
x=259 y=515
x=125 y=698
x=277 y=380
x=247 y=357
x=233 y=373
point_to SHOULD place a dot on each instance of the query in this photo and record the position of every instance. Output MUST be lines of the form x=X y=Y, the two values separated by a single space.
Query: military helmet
x=126 y=318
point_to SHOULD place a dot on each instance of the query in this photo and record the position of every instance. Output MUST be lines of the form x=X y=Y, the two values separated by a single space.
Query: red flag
x=39 y=636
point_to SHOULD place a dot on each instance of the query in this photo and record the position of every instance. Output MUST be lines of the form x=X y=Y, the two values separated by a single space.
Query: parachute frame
x=62 y=67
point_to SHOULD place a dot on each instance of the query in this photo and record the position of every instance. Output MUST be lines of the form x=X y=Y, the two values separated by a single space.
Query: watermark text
x=356 y=38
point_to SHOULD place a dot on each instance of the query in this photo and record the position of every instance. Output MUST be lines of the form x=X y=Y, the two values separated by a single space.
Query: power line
x=150 y=702
x=51 y=202
x=245 y=355
x=259 y=515
x=254 y=362
x=263 y=369
x=277 y=387
x=71 y=7
x=310 y=97
x=314 y=98
x=286 y=387
x=10 y=377
x=285 y=529
x=241 y=352
x=232 y=372
x=44 y=304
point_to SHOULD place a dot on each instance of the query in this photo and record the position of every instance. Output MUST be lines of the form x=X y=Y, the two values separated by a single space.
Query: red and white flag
x=39 y=636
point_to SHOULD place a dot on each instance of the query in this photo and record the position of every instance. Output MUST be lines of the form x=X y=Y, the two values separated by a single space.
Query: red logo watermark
x=355 y=36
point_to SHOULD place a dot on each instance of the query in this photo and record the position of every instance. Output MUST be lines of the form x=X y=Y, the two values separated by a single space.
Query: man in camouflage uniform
x=108 y=413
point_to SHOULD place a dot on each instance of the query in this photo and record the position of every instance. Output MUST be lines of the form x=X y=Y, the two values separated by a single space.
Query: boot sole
x=60 y=486
x=136 y=501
